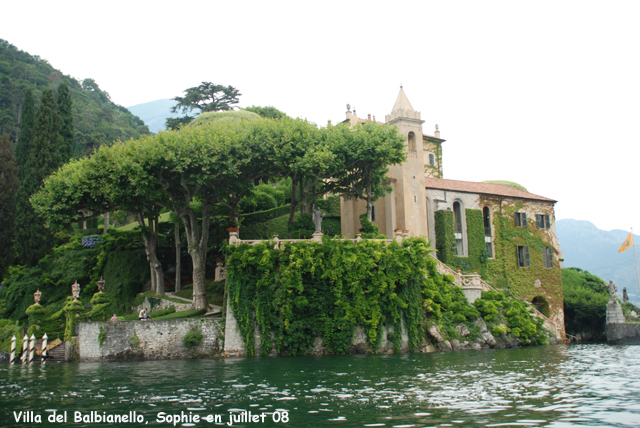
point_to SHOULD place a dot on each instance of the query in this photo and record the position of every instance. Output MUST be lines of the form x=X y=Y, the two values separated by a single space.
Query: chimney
x=437 y=133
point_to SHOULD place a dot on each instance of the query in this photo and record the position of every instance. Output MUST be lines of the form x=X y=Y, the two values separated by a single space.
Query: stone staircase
x=472 y=283
x=56 y=354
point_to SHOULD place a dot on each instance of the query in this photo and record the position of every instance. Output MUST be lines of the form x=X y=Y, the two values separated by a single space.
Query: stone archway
x=541 y=304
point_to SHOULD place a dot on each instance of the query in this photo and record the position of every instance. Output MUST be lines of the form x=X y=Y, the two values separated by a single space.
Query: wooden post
x=32 y=347
x=12 y=357
x=44 y=354
x=25 y=343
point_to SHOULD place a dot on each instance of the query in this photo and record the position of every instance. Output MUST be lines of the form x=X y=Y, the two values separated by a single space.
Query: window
x=432 y=159
x=547 y=257
x=412 y=141
x=373 y=213
x=521 y=219
x=486 y=215
x=523 y=256
x=543 y=221
x=457 y=224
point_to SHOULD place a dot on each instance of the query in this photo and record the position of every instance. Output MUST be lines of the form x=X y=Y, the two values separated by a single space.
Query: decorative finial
x=401 y=86
x=101 y=285
x=36 y=297
x=348 y=107
x=437 y=129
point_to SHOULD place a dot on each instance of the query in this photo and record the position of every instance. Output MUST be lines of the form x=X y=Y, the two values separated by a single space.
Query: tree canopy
x=205 y=97
x=214 y=165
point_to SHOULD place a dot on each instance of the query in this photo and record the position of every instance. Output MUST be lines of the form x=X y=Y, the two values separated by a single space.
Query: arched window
x=486 y=216
x=457 y=224
x=412 y=141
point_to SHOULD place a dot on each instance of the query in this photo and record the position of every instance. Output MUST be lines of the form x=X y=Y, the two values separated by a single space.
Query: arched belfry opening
x=412 y=141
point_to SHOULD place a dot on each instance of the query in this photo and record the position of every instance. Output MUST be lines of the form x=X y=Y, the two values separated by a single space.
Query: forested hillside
x=96 y=119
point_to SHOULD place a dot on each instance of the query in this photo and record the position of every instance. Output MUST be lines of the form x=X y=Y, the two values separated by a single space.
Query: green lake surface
x=592 y=385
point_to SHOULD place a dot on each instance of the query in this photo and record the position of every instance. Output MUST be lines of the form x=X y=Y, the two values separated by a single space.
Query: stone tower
x=409 y=189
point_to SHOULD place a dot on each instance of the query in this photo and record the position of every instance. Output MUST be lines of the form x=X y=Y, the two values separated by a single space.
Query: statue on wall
x=612 y=290
x=625 y=296
x=317 y=218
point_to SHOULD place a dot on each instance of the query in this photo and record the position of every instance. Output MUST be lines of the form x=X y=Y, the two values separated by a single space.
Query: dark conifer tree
x=26 y=133
x=8 y=188
x=33 y=239
x=64 y=109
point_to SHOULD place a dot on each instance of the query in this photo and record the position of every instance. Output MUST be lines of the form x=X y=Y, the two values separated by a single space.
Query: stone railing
x=470 y=282
x=234 y=239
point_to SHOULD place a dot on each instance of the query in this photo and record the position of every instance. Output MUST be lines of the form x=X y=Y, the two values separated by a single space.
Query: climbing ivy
x=445 y=237
x=446 y=241
x=307 y=289
x=503 y=270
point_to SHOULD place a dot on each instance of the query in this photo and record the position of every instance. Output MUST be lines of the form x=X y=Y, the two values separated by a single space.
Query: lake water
x=553 y=386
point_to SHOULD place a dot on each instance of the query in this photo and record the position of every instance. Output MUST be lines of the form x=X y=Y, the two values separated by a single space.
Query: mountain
x=96 y=119
x=155 y=113
x=589 y=248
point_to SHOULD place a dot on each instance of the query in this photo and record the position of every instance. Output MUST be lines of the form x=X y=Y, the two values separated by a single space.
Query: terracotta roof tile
x=481 y=188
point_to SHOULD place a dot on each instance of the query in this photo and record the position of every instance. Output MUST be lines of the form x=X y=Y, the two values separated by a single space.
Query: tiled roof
x=481 y=188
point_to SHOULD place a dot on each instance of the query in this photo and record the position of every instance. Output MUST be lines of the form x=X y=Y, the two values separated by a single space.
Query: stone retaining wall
x=152 y=340
x=434 y=340
x=623 y=334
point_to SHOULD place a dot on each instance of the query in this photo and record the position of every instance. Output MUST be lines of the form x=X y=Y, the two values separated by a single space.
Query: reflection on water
x=555 y=386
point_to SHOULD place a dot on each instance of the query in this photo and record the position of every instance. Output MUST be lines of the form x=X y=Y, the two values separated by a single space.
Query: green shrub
x=498 y=330
x=302 y=227
x=8 y=329
x=367 y=227
x=183 y=314
x=193 y=338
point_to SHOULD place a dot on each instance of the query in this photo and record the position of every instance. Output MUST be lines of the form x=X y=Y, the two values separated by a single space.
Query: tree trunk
x=294 y=203
x=152 y=276
x=197 y=240
x=150 y=238
x=176 y=236
x=199 y=289
x=107 y=220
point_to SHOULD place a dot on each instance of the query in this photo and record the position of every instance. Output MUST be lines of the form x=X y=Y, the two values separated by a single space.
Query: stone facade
x=154 y=340
x=419 y=192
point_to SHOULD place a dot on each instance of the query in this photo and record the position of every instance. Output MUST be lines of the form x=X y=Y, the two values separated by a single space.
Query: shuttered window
x=543 y=221
x=547 y=257
x=521 y=219
x=523 y=256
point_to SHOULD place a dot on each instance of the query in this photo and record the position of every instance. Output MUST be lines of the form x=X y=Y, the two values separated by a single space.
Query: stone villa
x=502 y=232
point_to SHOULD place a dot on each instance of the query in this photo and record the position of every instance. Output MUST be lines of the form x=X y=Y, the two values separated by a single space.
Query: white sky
x=542 y=93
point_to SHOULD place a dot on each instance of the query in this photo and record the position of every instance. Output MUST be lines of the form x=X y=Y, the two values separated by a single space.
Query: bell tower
x=409 y=190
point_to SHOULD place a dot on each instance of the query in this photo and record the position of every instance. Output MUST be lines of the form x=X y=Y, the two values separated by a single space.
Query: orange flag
x=627 y=243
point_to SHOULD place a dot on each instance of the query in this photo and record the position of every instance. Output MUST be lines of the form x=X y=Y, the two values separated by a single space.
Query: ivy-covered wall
x=446 y=242
x=503 y=271
x=307 y=289
x=445 y=237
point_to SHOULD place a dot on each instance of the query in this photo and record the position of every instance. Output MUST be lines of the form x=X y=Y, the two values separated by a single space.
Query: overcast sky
x=543 y=93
